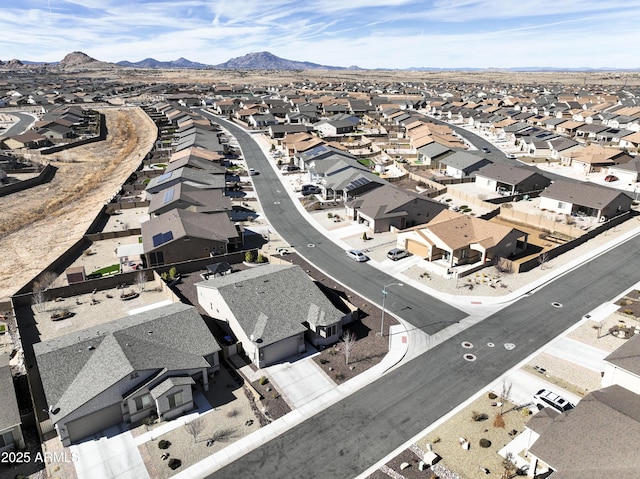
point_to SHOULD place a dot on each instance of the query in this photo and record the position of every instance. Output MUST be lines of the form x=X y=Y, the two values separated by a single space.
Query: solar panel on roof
x=168 y=196
x=161 y=238
x=164 y=177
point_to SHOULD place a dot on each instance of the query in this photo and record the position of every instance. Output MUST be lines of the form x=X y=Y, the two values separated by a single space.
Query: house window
x=143 y=402
x=175 y=400
x=6 y=439
x=156 y=258
x=561 y=205
x=332 y=330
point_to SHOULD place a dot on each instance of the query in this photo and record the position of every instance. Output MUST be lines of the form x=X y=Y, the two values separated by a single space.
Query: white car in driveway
x=356 y=255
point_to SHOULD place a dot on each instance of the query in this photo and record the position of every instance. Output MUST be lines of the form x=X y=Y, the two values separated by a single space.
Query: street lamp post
x=384 y=296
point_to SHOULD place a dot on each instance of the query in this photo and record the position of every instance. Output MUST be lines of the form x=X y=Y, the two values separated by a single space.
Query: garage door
x=417 y=249
x=94 y=422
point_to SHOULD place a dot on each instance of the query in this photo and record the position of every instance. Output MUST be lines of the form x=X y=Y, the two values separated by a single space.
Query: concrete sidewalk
x=398 y=344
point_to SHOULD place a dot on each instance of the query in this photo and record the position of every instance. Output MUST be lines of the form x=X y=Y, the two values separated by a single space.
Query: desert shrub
x=233 y=413
x=324 y=360
x=174 y=463
x=263 y=380
x=479 y=416
x=484 y=443
x=249 y=256
x=261 y=259
x=163 y=444
x=329 y=215
x=437 y=440
x=339 y=377
x=525 y=411
x=492 y=396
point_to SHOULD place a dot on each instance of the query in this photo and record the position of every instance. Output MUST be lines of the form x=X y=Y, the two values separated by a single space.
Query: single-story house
x=573 y=198
x=187 y=197
x=462 y=164
x=508 y=180
x=593 y=158
x=433 y=152
x=180 y=235
x=126 y=370
x=628 y=172
x=622 y=366
x=457 y=239
x=11 y=436
x=596 y=439
x=389 y=207
x=192 y=176
x=271 y=309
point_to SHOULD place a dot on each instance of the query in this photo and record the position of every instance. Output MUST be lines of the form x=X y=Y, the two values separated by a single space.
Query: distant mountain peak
x=76 y=58
x=269 y=61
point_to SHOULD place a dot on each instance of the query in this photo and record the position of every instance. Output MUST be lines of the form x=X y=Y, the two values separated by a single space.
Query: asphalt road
x=350 y=436
x=347 y=438
x=21 y=126
x=424 y=312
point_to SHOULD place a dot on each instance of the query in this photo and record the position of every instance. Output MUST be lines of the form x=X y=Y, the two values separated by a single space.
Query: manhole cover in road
x=490 y=345
x=311 y=245
x=469 y=357
x=509 y=346
x=467 y=345
x=556 y=305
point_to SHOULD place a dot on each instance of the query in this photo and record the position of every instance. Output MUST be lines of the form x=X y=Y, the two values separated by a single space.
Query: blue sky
x=367 y=33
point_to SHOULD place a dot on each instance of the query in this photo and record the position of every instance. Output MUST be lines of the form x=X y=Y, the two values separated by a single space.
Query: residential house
x=387 y=207
x=594 y=440
x=594 y=158
x=271 y=309
x=11 y=436
x=126 y=370
x=628 y=172
x=622 y=366
x=192 y=176
x=188 y=197
x=587 y=199
x=332 y=128
x=281 y=131
x=509 y=180
x=462 y=164
x=433 y=153
x=181 y=235
x=561 y=147
x=456 y=239
x=30 y=139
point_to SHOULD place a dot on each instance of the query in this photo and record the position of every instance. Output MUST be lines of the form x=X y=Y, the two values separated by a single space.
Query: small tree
x=349 y=341
x=543 y=258
x=141 y=280
x=195 y=427
x=509 y=465
x=505 y=394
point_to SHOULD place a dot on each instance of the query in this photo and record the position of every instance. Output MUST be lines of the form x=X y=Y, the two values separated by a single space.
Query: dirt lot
x=39 y=224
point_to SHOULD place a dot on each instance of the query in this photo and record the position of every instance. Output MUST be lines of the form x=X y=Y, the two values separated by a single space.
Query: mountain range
x=255 y=61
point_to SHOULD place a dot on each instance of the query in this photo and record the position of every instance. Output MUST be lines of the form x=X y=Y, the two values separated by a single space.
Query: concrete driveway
x=300 y=381
x=112 y=456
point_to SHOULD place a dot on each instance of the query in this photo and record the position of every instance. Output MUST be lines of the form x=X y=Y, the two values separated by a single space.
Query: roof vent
x=91 y=348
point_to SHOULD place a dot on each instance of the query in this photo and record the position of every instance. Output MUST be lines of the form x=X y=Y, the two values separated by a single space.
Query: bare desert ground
x=37 y=225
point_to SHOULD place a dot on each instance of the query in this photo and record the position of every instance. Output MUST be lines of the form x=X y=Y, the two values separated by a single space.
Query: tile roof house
x=11 y=436
x=388 y=207
x=593 y=158
x=508 y=180
x=181 y=235
x=457 y=239
x=271 y=309
x=126 y=370
x=597 y=439
x=573 y=198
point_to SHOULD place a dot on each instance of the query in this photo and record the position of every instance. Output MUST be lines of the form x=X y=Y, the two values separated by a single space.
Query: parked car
x=357 y=255
x=610 y=178
x=511 y=156
x=310 y=190
x=546 y=398
x=486 y=150
x=397 y=253
x=289 y=168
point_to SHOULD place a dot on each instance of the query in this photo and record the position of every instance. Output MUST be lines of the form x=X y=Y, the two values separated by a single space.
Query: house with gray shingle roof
x=271 y=309
x=462 y=164
x=509 y=179
x=389 y=207
x=622 y=366
x=572 y=198
x=596 y=439
x=191 y=176
x=10 y=422
x=181 y=235
x=126 y=370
